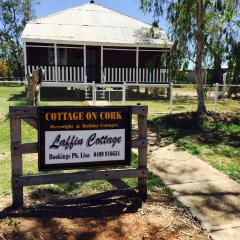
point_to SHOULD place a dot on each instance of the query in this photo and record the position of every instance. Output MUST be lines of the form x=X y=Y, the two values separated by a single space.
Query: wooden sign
x=54 y=120
x=74 y=137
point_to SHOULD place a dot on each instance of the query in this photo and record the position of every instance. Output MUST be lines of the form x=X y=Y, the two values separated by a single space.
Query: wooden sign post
x=30 y=115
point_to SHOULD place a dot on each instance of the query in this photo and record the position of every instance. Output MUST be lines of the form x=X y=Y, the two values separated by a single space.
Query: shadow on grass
x=18 y=97
x=20 y=102
x=111 y=203
x=209 y=129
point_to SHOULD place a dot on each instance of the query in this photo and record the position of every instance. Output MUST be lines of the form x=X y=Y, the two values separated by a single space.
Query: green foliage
x=157 y=91
x=181 y=77
x=13 y=17
x=234 y=67
x=201 y=31
x=219 y=16
x=193 y=148
x=4 y=70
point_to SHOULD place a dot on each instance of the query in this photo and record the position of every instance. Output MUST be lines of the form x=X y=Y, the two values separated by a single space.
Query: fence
x=220 y=91
x=161 y=98
x=168 y=98
x=11 y=81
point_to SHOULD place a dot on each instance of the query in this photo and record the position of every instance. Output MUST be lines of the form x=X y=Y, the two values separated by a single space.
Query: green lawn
x=183 y=104
x=13 y=96
x=214 y=138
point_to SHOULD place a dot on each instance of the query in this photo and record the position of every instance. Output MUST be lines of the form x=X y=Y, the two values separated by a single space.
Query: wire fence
x=161 y=99
x=11 y=81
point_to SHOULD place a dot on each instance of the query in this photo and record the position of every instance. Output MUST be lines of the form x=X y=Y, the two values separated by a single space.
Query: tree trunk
x=200 y=12
x=32 y=88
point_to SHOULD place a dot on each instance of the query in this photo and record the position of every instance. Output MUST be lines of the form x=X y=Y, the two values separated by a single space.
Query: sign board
x=74 y=137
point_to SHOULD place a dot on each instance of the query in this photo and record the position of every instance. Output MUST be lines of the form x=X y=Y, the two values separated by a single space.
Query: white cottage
x=94 y=44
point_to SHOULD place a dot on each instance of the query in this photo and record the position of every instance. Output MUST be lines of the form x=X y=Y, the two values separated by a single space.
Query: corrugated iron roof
x=92 y=23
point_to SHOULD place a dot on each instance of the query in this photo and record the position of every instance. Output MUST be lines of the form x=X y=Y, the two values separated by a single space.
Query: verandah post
x=25 y=59
x=16 y=158
x=85 y=62
x=102 y=73
x=142 y=156
x=55 y=63
x=137 y=64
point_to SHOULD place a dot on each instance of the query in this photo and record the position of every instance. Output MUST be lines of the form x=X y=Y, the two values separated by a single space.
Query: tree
x=187 y=22
x=233 y=75
x=191 y=28
x=14 y=15
x=220 y=33
x=234 y=67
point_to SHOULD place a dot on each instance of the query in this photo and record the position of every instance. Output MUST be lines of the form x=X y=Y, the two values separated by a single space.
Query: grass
x=12 y=96
x=214 y=138
x=184 y=104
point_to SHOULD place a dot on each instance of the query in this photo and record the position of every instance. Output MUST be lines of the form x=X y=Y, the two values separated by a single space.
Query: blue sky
x=129 y=7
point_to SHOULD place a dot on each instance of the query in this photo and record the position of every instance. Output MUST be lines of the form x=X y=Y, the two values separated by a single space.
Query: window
x=62 y=56
x=51 y=60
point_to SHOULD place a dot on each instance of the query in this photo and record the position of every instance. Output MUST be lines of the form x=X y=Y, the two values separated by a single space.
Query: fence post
x=16 y=158
x=142 y=156
x=39 y=94
x=171 y=96
x=216 y=97
x=224 y=85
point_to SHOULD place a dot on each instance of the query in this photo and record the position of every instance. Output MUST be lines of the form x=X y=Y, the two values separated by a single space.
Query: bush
x=4 y=70
x=157 y=91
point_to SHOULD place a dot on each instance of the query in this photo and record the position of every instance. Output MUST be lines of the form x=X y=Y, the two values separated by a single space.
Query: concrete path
x=211 y=196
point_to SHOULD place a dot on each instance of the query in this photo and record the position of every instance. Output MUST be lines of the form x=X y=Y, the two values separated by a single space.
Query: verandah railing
x=60 y=73
x=110 y=75
x=135 y=75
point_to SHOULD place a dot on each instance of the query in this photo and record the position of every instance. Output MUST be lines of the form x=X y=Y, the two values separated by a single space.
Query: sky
x=129 y=7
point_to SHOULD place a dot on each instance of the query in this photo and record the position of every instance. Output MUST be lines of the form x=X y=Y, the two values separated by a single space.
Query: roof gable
x=91 y=14
x=92 y=22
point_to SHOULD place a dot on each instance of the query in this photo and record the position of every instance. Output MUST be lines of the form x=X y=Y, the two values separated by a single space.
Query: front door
x=93 y=64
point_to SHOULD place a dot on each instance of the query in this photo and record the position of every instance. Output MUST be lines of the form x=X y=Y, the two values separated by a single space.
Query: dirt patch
x=98 y=217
